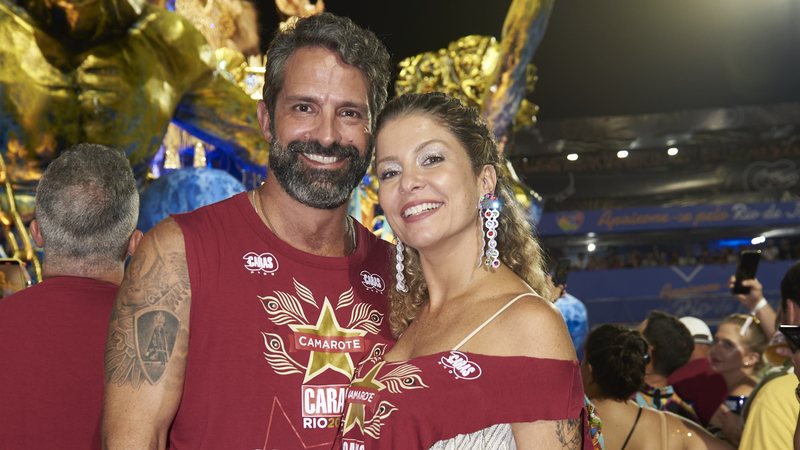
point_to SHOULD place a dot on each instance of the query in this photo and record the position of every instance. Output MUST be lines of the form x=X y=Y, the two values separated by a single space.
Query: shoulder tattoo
x=148 y=316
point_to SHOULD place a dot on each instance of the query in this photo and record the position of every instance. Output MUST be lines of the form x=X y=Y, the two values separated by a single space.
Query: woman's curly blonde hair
x=519 y=249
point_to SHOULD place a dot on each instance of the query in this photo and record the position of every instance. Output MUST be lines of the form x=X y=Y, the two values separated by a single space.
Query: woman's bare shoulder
x=685 y=434
x=534 y=327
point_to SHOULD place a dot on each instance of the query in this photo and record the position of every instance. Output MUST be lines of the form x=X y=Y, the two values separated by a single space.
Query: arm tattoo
x=569 y=433
x=146 y=320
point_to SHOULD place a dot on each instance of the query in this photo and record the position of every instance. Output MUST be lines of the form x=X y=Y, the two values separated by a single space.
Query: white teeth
x=321 y=159
x=421 y=208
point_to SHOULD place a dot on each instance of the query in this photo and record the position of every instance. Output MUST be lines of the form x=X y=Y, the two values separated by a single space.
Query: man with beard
x=286 y=291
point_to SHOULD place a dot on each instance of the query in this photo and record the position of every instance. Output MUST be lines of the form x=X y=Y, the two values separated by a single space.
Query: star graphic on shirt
x=355 y=411
x=328 y=327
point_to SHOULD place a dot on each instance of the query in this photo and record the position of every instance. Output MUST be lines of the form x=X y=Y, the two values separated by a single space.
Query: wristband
x=759 y=306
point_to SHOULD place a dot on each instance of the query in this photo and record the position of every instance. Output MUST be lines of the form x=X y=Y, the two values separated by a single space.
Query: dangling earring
x=400 y=286
x=490 y=211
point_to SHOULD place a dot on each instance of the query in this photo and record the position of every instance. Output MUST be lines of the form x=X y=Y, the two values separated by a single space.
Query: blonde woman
x=736 y=354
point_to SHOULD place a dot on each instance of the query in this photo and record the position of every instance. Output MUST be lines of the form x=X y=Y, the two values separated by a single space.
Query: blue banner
x=628 y=295
x=659 y=218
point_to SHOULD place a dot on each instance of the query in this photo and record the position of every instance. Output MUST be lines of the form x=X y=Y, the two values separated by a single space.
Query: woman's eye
x=389 y=173
x=432 y=159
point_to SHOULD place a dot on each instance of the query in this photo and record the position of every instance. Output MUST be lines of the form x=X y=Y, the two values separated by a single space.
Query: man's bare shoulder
x=152 y=303
x=165 y=236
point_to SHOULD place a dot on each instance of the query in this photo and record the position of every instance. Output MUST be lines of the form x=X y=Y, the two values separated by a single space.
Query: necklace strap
x=350 y=229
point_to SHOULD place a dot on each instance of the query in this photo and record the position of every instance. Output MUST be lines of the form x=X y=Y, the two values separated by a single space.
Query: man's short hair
x=671 y=342
x=790 y=286
x=87 y=205
x=356 y=46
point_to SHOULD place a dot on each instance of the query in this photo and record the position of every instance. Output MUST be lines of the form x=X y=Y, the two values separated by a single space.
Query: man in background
x=696 y=382
x=671 y=345
x=52 y=335
x=772 y=420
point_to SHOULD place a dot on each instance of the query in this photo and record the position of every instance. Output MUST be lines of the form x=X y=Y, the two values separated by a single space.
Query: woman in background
x=613 y=370
x=481 y=361
x=736 y=354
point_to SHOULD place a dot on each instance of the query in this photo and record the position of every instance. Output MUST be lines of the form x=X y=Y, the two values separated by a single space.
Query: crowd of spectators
x=662 y=256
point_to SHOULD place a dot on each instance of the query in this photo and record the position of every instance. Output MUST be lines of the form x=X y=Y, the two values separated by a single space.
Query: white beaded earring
x=399 y=276
x=490 y=211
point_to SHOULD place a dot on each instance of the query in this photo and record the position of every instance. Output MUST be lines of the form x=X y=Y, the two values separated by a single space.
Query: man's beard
x=317 y=187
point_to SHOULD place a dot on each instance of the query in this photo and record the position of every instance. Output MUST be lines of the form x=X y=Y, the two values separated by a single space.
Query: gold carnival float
x=133 y=75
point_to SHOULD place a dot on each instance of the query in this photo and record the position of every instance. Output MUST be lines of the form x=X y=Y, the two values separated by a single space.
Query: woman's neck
x=451 y=267
x=739 y=381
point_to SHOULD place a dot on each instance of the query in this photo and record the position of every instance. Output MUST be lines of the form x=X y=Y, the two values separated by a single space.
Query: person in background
x=737 y=356
x=576 y=317
x=612 y=370
x=671 y=345
x=696 y=382
x=773 y=418
x=52 y=334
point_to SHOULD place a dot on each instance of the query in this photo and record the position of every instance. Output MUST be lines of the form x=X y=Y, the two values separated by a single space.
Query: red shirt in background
x=52 y=346
x=697 y=383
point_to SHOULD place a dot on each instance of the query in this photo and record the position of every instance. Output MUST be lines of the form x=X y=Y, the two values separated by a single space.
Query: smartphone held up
x=745 y=270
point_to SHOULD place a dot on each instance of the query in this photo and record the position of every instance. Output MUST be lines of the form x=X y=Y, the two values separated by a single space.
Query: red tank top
x=274 y=333
x=456 y=399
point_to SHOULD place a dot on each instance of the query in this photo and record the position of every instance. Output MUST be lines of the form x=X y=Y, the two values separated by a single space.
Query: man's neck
x=322 y=232
x=655 y=380
x=113 y=276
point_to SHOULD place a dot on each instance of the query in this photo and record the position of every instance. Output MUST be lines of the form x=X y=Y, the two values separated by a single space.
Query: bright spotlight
x=572 y=157
x=622 y=154
x=591 y=247
x=758 y=240
x=672 y=151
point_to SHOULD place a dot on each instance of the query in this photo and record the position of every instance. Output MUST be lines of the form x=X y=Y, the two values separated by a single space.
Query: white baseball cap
x=698 y=329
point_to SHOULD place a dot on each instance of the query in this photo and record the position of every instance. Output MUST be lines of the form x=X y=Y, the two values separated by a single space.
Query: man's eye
x=303 y=108
x=351 y=113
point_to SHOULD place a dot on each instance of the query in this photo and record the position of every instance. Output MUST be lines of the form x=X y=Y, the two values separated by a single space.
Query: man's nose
x=327 y=131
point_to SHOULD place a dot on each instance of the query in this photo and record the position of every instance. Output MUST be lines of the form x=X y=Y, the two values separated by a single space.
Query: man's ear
x=36 y=233
x=133 y=241
x=263 y=120
x=792 y=313
x=487 y=179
